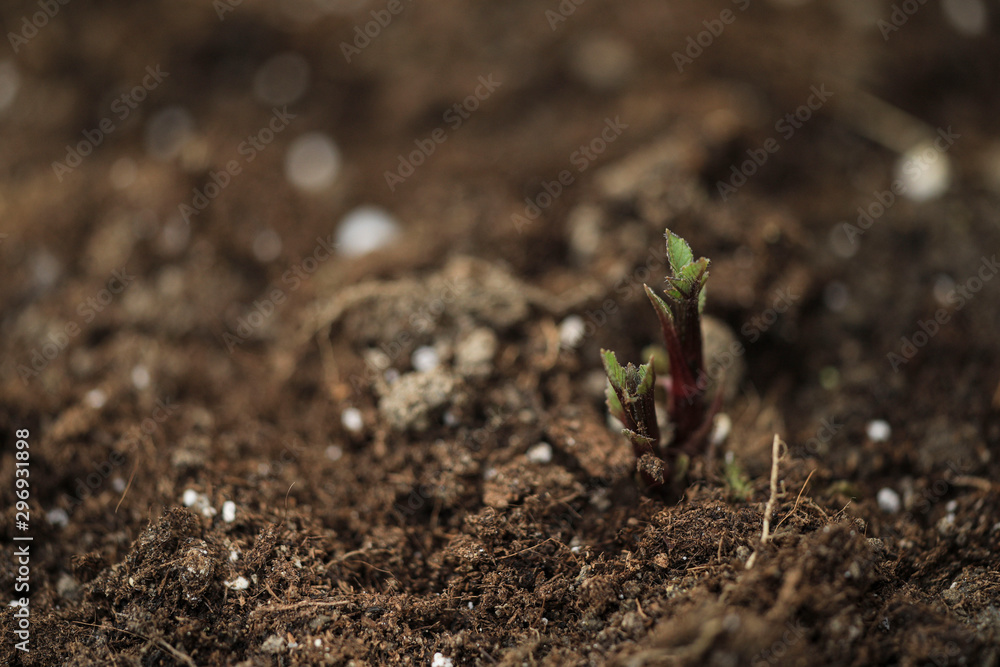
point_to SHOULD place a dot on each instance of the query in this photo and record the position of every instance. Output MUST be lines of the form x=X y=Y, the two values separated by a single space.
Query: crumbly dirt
x=231 y=467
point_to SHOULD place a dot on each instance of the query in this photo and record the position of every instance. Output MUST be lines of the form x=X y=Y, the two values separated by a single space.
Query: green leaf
x=680 y=319
x=693 y=274
x=616 y=374
x=662 y=309
x=614 y=405
x=678 y=252
x=648 y=377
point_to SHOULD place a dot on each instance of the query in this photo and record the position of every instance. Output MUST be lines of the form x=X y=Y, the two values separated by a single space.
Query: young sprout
x=630 y=399
x=630 y=391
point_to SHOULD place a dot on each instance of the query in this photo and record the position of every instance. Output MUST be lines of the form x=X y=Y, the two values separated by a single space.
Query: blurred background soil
x=302 y=304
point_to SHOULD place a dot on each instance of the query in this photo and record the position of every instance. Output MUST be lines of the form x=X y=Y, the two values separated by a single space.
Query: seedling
x=631 y=389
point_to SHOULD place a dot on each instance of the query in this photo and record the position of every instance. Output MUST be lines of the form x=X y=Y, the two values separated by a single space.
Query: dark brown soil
x=444 y=525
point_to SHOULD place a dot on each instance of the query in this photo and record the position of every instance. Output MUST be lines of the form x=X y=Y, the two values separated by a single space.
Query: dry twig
x=765 y=533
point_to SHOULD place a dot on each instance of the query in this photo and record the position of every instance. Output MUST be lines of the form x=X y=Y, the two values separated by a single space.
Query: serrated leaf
x=692 y=274
x=680 y=319
x=616 y=374
x=679 y=252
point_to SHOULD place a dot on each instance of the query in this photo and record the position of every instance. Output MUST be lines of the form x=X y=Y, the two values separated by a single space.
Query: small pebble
x=45 y=269
x=603 y=62
x=312 y=162
x=572 y=331
x=878 y=430
x=274 y=644
x=238 y=584
x=352 y=420
x=96 y=398
x=365 y=229
x=198 y=502
x=334 y=453
x=282 y=79
x=57 y=517
x=229 y=511
x=474 y=353
x=540 y=453
x=424 y=358
x=924 y=171
x=721 y=428
x=969 y=17
x=441 y=661
x=888 y=501
x=267 y=246
x=140 y=377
